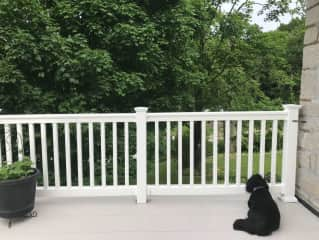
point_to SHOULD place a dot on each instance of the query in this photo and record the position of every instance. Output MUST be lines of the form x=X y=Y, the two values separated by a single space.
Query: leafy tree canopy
x=170 y=55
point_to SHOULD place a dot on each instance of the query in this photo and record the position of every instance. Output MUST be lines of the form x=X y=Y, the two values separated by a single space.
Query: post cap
x=291 y=107
x=140 y=109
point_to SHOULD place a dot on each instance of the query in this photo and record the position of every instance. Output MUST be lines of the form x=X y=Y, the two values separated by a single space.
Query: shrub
x=16 y=170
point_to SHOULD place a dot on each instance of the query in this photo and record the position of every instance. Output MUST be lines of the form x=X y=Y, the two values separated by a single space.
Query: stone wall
x=307 y=186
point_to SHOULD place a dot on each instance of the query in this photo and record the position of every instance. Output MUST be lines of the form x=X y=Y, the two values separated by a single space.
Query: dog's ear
x=255 y=181
x=250 y=183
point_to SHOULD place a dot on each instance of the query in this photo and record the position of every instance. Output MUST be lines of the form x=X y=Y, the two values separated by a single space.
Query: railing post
x=141 y=192
x=290 y=153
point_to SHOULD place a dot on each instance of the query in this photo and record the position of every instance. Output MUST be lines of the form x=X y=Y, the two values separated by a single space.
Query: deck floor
x=162 y=218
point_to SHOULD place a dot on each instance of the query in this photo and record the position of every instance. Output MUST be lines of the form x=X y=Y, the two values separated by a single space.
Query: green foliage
x=275 y=9
x=170 y=55
x=281 y=56
x=16 y=170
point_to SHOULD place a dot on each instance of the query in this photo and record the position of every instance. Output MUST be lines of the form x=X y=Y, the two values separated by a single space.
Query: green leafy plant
x=16 y=170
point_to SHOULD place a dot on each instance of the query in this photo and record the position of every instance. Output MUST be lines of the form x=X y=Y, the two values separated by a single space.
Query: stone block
x=311 y=35
x=307 y=187
x=312 y=16
x=311 y=201
x=308 y=182
x=314 y=162
x=308 y=160
x=301 y=193
x=311 y=56
x=311 y=3
x=308 y=141
x=303 y=159
x=310 y=84
x=310 y=125
x=310 y=109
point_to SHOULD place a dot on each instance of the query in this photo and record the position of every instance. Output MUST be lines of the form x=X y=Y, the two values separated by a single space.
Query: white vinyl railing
x=145 y=154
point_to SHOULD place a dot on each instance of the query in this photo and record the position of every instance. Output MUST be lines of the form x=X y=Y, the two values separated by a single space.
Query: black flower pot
x=17 y=196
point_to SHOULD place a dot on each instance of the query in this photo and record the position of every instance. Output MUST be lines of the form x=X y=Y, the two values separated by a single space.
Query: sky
x=266 y=26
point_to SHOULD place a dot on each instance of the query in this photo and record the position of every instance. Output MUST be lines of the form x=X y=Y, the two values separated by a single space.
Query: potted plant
x=17 y=189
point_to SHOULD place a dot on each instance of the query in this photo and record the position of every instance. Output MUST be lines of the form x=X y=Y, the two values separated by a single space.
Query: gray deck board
x=162 y=218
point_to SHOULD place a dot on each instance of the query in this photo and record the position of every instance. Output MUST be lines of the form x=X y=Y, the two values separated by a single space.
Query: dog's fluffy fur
x=263 y=215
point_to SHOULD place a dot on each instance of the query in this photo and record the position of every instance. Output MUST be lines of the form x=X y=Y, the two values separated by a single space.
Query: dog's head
x=255 y=181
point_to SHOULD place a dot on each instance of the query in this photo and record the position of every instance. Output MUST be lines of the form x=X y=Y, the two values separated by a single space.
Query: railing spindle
x=56 y=156
x=32 y=144
x=203 y=152
x=180 y=154
x=215 y=152
x=168 y=152
x=191 y=151
x=238 y=152
x=103 y=166
x=44 y=155
x=284 y=149
x=7 y=138
x=127 y=166
x=274 y=151
x=250 y=148
x=227 y=148
x=114 y=127
x=67 y=154
x=156 y=154
x=20 y=141
x=79 y=153
x=91 y=155
x=262 y=148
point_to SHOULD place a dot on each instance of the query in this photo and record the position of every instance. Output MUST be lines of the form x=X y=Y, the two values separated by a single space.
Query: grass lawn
x=209 y=169
x=174 y=171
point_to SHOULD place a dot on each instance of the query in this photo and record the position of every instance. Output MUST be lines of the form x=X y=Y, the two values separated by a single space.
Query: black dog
x=263 y=215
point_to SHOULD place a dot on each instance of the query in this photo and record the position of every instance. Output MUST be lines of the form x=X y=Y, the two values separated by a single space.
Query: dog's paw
x=238 y=224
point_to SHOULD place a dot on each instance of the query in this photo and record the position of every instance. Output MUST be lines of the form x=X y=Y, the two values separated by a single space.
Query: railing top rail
x=208 y=116
x=131 y=117
x=67 y=118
